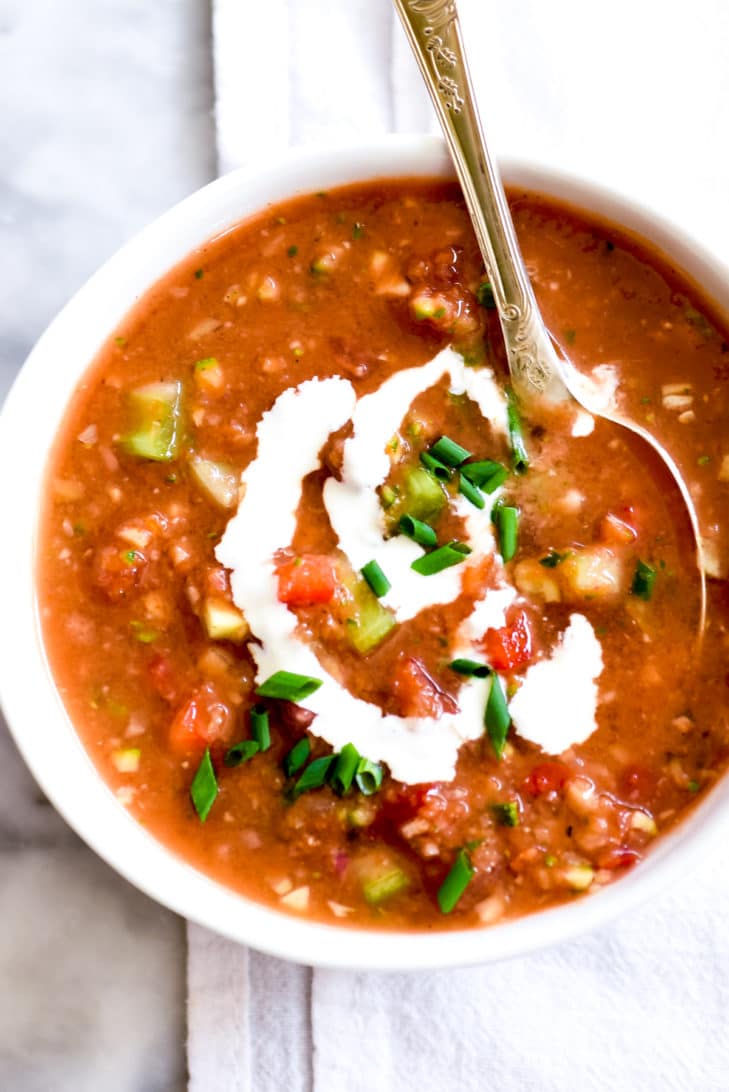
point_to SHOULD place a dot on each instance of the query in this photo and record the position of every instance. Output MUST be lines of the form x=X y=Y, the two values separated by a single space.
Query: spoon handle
x=434 y=32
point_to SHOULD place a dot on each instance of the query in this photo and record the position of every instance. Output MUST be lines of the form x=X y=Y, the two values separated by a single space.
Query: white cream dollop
x=556 y=703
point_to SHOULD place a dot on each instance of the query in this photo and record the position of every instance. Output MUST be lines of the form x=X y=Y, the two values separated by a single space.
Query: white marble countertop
x=91 y=971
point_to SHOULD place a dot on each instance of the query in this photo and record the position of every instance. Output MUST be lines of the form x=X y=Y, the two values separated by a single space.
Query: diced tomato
x=307 y=580
x=510 y=647
x=638 y=783
x=417 y=694
x=546 y=777
x=217 y=581
x=118 y=571
x=616 y=531
x=164 y=679
x=403 y=803
x=617 y=857
x=203 y=719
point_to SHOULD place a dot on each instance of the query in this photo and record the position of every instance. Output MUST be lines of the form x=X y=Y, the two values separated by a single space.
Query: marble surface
x=91 y=972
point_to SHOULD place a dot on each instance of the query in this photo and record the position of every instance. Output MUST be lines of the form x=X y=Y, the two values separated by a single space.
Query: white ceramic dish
x=32 y=705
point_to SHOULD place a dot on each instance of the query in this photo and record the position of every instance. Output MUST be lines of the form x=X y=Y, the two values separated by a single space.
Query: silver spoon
x=539 y=374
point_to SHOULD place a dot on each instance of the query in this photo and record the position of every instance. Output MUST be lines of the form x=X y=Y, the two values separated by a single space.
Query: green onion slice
x=449 y=452
x=498 y=720
x=297 y=757
x=242 y=752
x=486 y=474
x=421 y=532
x=439 y=470
x=471 y=668
x=314 y=776
x=643 y=581
x=507 y=813
x=376 y=579
x=455 y=883
x=470 y=492
x=204 y=787
x=519 y=457
x=485 y=296
x=287 y=686
x=368 y=776
x=260 y=728
x=453 y=553
x=345 y=769
x=506 y=520
x=553 y=559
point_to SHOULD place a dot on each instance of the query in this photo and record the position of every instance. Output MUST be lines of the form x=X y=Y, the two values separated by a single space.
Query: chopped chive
x=693 y=786
x=358 y=231
x=497 y=717
x=260 y=728
x=297 y=757
x=471 y=668
x=453 y=553
x=470 y=492
x=507 y=813
x=643 y=581
x=455 y=883
x=421 y=532
x=550 y=860
x=204 y=787
x=506 y=521
x=519 y=457
x=288 y=686
x=376 y=579
x=345 y=769
x=485 y=296
x=569 y=336
x=553 y=559
x=292 y=251
x=438 y=469
x=486 y=474
x=314 y=776
x=449 y=452
x=199 y=274
x=368 y=776
x=241 y=752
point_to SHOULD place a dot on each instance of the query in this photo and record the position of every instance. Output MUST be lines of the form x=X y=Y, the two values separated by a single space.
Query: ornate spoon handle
x=434 y=32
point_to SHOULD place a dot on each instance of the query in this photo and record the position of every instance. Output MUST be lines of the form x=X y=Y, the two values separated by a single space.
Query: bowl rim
x=38 y=722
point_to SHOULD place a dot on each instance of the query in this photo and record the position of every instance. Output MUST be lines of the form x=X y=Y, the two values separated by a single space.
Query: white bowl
x=37 y=718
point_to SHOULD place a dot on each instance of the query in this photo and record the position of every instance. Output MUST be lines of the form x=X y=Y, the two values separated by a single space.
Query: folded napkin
x=634 y=96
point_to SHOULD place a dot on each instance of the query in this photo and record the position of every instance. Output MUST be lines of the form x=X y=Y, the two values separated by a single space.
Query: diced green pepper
x=156 y=421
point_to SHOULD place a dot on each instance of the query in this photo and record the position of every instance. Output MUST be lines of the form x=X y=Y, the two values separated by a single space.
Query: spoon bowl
x=541 y=374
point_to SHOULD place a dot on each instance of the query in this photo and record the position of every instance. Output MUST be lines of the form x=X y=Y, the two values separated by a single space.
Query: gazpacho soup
x=339 y=620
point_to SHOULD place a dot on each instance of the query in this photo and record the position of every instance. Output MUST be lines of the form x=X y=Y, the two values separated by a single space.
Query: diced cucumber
x=156 y=421
x=218 y=481
x=383 y=883
x=223 y=622
x=420 y=495
x=209 y=374
x=370 y=622
x=127 y=759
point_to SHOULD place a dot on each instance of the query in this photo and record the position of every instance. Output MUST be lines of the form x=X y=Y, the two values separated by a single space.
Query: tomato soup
x=346 y=625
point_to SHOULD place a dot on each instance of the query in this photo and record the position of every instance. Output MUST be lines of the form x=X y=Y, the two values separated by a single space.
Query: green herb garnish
x=204 y=787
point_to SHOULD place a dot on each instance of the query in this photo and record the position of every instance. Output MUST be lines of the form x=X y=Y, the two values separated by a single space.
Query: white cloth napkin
x=634 y=95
